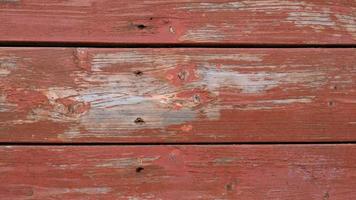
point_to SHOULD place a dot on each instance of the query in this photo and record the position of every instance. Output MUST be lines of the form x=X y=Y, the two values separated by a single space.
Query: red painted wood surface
x=183 y=21
x=177 y=95
x=298 y=172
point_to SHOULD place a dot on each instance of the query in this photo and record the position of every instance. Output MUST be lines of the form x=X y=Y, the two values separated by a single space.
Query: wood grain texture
x=177 y=95
x=182 y=21
x=297 y=172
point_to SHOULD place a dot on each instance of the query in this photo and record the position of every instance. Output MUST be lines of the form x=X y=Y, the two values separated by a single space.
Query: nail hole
x=141 y=26
x=151 y=18
x=139 y=169
x=228 y=187
x=138 y=73
x=331 y=103
x=139 y=120
x=335 y=87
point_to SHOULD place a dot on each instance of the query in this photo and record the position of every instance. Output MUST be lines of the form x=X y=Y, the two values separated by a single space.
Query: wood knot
x=77 y=108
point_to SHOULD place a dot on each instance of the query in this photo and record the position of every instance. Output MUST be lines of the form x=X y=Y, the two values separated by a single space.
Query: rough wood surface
x=182 y=21
x=298 y=172
x=177 y=95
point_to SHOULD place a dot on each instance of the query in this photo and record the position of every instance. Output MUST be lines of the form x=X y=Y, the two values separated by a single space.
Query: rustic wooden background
x=183 y=99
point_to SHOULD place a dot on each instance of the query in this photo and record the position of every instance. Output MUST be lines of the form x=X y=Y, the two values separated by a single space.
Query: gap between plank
x=170 y=143
x=160 y=45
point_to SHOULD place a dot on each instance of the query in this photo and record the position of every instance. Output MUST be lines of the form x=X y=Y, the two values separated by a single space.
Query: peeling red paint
x=176 y=22
x=173 y=172
x=222 y=95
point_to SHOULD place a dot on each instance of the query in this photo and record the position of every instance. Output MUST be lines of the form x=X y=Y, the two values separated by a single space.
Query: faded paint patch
x=274 y=103
x=349 y=22
x=117 y=98
x=7 y=64
x=149 y=60
x=257 y=82
x=10 y=1
x=226 y=161
x=127 y=162
x=46 y=191
x=205 y=34
x=289 y=101
x=6 y=106
x=213 y=7
x=249 y=5
x=157 y=62
x=317 y=20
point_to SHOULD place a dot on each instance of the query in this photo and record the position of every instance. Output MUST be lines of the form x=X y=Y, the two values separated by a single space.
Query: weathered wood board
x=177 y=95
x=179 y=22
x=297 y=172
x=172 y=117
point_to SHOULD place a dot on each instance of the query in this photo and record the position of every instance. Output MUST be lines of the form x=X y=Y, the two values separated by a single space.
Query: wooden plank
x=176 y=22
x=298 y=172
x=177 y=95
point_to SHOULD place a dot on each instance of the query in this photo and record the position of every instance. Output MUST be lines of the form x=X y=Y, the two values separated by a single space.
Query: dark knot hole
x=139 y=120
x=141 y=26
x=139 y=169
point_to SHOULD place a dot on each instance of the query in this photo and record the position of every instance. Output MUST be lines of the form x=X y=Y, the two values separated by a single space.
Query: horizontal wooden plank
x=298 y=172
x=180 y=21
x=177 y=95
